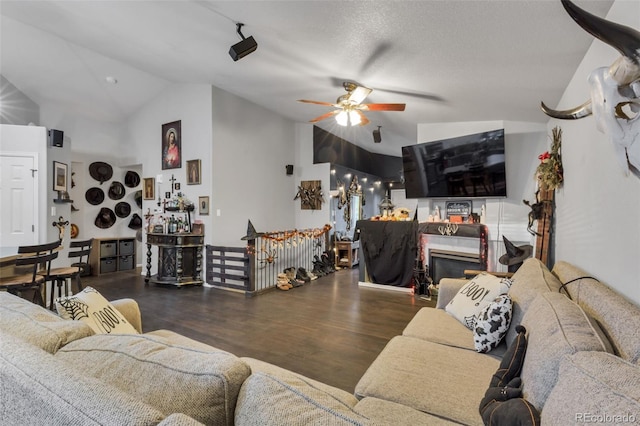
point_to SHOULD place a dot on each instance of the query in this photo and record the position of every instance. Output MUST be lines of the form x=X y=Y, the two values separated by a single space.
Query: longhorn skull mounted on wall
x=615 y=91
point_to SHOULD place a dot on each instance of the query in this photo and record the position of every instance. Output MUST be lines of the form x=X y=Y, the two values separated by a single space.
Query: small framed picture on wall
x=193 y=172
x=59 y=176
x=203 y=205
x=149 y=188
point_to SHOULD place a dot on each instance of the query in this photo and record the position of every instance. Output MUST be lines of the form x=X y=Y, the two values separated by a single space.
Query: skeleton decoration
x=615 y=91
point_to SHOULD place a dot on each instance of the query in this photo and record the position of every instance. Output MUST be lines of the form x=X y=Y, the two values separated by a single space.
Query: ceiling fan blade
x=363 y=118
x=382 y=107
x=325 y=116
x=359 y=94
x=306 y=101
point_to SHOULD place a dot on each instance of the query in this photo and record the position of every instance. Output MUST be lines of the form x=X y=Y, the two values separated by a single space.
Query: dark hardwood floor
x=330 y=329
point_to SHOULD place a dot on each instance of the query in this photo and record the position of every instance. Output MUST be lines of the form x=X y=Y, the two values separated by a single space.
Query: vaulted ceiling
x=448 y=61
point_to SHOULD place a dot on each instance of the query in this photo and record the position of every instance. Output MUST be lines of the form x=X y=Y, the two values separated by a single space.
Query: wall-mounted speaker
x=56 y=137
x=289 y=168
x=377 y=137
x=243 y=48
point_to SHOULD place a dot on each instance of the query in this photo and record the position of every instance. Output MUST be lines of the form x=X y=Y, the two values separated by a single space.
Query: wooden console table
x=179 y=259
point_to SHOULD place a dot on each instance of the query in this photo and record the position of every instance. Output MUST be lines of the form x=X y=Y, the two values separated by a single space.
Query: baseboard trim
x=385 y=287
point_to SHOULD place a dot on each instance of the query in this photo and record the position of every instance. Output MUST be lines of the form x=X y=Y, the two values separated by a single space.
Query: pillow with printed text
x=92 y=308
x=474 y=296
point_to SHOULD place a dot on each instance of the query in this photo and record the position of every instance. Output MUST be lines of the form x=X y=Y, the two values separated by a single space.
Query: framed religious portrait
x=193 y=172
x=172 y=145
x=59 y=176
x=203 y=205
x=149 y=192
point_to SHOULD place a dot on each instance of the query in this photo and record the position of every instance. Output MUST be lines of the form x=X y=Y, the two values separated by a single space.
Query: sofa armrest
x=131 y=311
x=447 y=289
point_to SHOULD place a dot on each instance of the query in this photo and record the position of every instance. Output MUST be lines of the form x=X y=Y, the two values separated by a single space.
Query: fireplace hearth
x=451 y=264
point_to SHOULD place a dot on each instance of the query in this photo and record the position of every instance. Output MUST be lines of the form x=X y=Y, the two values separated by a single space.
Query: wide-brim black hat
x=106 y=218
x=131 y=179
x=138 y=197
x=116 y=191
x=514 y=255
x=100 y=171
x=123 y=209
x=94 y=196
x=251 y=233
x=135 y=222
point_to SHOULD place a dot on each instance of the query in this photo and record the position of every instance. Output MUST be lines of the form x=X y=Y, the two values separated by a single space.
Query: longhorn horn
x=624 y=39
x=568 y=114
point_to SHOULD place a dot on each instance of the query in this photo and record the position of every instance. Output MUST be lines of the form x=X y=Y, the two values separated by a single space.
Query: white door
x=18 y=200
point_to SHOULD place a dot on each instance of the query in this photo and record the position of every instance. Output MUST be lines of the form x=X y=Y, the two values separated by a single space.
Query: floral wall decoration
x=549 y=172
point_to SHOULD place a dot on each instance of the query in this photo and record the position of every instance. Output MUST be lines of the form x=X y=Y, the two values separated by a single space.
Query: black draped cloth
x=389 y=250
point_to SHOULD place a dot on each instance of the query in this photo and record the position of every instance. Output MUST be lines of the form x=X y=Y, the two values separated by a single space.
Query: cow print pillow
x=492 y=324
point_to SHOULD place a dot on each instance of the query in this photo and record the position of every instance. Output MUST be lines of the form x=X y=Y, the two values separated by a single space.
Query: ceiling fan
x=349 y=106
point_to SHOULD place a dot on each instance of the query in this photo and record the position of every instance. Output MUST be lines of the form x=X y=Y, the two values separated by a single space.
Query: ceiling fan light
x=342 y=118
x=354 y=117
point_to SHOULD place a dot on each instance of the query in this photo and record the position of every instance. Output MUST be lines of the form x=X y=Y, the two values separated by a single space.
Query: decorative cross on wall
x=173 y=180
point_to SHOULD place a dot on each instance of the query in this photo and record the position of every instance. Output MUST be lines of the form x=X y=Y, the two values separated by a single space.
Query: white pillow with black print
x=492 y=324
x=90 y=307
x=474 y=296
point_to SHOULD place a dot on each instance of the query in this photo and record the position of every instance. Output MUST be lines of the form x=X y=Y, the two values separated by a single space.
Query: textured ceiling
x=447 y=60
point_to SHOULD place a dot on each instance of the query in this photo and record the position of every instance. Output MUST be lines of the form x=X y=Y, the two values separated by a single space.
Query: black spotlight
x=243 y=48
x=377 y=137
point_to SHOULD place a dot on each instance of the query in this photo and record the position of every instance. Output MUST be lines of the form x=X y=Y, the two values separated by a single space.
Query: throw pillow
x=92 y=308
x=512 y=360
x=492 y=324
x=474 y=296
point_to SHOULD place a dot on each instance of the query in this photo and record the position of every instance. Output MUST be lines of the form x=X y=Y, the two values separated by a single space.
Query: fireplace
x=451 y=264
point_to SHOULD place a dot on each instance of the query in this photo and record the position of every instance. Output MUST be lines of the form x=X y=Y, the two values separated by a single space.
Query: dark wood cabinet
x=180 y=259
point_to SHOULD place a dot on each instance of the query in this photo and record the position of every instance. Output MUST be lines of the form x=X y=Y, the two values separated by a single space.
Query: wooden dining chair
x=61 y=276
x=29 y=263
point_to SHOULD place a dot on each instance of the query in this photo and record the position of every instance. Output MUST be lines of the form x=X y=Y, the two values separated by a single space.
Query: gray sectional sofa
x=582 y=364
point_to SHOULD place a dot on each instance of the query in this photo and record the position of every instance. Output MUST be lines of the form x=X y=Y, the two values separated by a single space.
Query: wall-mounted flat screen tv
x=463 y=167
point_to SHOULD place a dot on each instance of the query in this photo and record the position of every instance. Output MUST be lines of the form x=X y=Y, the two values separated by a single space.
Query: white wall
x=504 y=216
x=251 y=146
x=304 y=169
x=598 y=226
x=15 y=107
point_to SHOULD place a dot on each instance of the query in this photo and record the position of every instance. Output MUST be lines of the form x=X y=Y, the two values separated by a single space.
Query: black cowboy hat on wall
x=100 y=171
x=105 y=218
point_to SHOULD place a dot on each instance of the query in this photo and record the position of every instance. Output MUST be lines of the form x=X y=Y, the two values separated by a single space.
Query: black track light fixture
x=243 y=48
x=377 y=137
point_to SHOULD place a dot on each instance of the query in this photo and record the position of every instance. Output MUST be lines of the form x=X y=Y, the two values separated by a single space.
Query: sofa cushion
x=258 y=366
x=383 y=412
x=37 y=388
x=90 y=307
x=36 y=325
x=265 y=399
x=556 y=326
x=442 y=380
x=202 y=383
x=492 y=324
x=611 y=384
x=531 y=279
x=619 y=318
x=474 y=296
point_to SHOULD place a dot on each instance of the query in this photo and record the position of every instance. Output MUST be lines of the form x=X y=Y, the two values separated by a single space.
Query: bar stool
x=60 y=277
x=33 y=256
